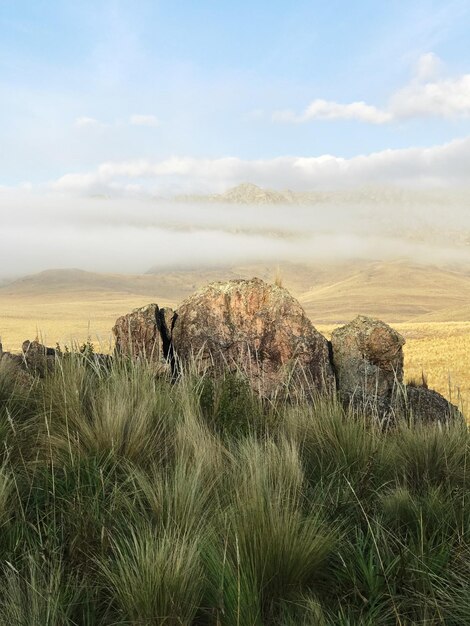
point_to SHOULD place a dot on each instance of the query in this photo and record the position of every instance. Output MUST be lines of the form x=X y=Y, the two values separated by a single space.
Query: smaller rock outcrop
x=145 y=333
x=368 y=361
x=14 y=367
x=11 y=359
x=257 y=328
x=423 y=405
x=37 y=358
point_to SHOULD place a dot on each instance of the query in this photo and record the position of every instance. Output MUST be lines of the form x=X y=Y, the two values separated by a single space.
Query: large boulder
x=257 y=328
x=368 y=362
x=145 y=333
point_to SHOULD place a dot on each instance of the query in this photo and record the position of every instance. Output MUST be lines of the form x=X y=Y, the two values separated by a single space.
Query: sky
x=150 y=98
x=157 y=90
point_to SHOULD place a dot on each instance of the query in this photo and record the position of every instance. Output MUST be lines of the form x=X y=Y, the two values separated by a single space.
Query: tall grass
x=154 y=578
x=127 y=498
x=36 y=594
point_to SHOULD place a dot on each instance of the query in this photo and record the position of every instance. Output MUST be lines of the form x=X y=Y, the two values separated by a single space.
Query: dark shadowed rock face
x=144 y=333
x=38 y=358
x=258 y=328
x=424 y=405
x=368 y=359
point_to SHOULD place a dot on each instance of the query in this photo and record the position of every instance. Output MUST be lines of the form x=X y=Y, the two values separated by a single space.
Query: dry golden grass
x=393 y=291
x=442 y=351
x=64 y=319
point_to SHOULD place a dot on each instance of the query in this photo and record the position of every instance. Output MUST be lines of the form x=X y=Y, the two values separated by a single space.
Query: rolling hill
x=396 y=291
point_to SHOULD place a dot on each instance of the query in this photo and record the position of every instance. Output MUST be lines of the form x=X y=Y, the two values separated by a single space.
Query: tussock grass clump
x=276 y=537
x=154 y=578
x=131 y=499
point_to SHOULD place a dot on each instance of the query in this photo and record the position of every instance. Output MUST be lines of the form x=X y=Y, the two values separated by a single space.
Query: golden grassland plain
x=439 y=349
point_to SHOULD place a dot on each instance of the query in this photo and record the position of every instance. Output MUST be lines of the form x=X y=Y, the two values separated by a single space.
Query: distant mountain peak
x=244 y=193
x=245 y=188
x=249 y=193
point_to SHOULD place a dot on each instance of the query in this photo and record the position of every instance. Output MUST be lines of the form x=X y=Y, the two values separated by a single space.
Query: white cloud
x=134 y=120
x=144 y=120
x=83 y=122
x=327 y=110
x=439 y=166
x=445 y=98
x=426 y=95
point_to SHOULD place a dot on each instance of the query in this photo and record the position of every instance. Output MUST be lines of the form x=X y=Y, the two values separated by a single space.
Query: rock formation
x=145 y=333
x=12 y=367
x=262 y=331
x=257 y=328
x=368 y=361
x=13 y=359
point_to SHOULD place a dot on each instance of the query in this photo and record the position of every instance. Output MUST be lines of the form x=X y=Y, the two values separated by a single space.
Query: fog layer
x=133 y=234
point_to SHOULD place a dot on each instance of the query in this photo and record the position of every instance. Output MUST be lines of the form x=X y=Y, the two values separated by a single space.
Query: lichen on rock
x=257 y=328
x=368 y=361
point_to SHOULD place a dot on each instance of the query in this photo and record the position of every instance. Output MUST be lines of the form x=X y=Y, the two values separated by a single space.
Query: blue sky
x=181 y=95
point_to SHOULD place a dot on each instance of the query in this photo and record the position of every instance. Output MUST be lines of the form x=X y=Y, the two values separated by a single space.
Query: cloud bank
x=134 y=233
x=115 y=218
x=438 y=166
